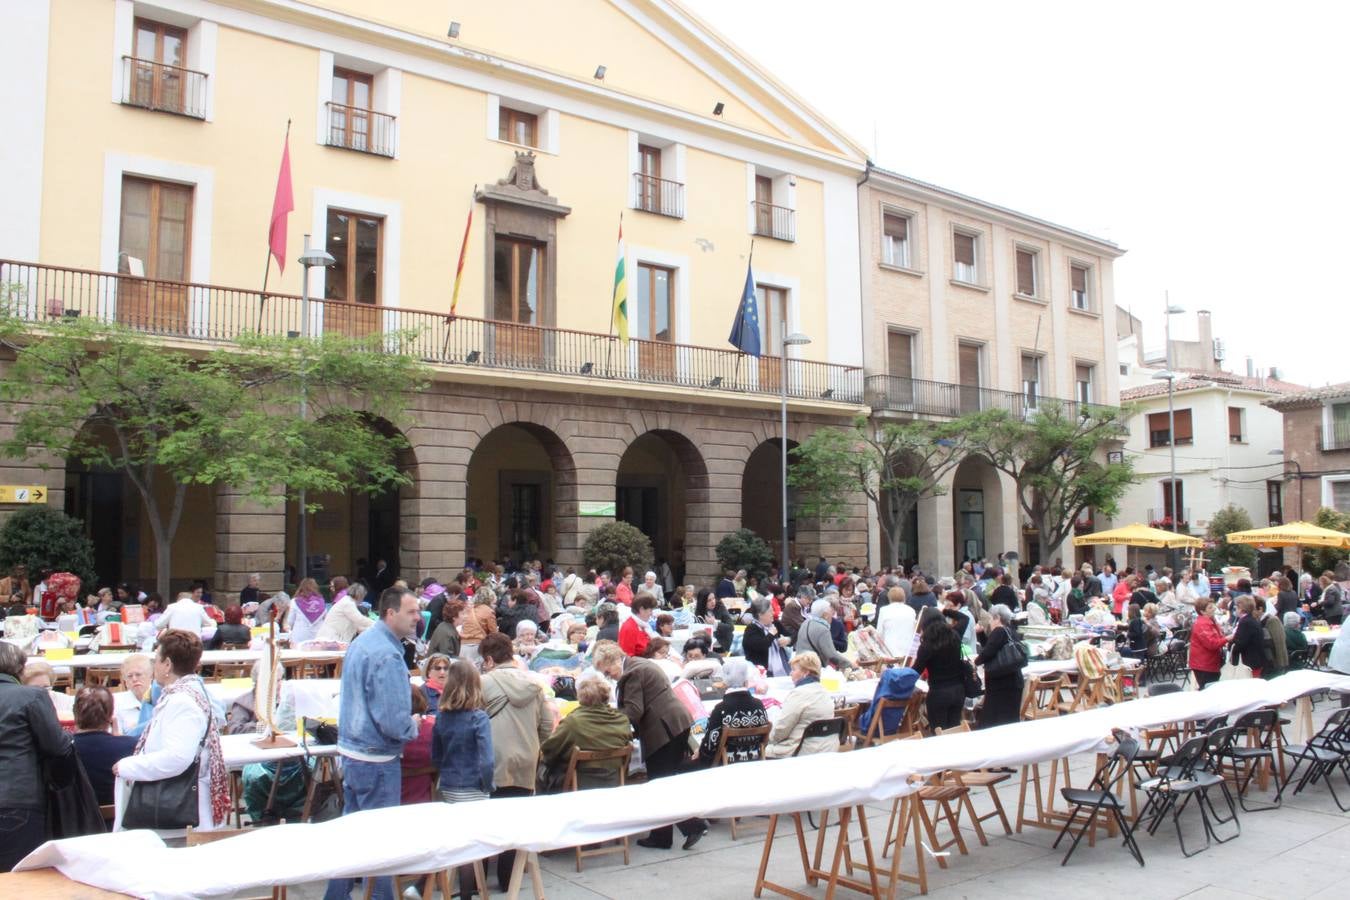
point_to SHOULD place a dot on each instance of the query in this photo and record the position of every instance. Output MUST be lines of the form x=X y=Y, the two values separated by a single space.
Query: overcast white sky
x=1208 y=139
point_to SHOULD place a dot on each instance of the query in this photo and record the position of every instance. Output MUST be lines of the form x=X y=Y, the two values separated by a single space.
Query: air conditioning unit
x=1218 y=350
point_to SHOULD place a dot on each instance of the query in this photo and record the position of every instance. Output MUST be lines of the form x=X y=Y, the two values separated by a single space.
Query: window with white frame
x=1080 y=292
x=1031 y=379
x=1082 y=383
x=895 y=243
x=1028 y=264
x=1340 y=495
x=965 y=256
x=359 y=103
x=524 y=124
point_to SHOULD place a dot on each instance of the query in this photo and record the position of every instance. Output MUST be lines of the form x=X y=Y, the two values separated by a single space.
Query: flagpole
x=267 y=266
x=750 y=266
x=459 y=273
x=609 y=344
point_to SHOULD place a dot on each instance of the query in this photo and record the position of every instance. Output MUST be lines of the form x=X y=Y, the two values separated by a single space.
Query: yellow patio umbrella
x=1138 y=535
x=1292 y=534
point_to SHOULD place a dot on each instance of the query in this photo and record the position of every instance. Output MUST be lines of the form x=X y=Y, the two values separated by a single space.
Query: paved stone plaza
x=1301 y=850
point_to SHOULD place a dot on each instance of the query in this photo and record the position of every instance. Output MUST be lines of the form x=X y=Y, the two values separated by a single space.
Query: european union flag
x=745 y=330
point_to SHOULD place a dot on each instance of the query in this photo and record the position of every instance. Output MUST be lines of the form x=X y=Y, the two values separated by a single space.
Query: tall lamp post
x=313 y=256
x=1170 y=376
x=796 y=339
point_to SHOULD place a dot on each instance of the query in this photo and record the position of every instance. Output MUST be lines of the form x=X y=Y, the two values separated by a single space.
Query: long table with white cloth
x=432 y=836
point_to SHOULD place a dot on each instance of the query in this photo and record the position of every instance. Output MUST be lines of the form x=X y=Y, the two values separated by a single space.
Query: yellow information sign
x=23 y=493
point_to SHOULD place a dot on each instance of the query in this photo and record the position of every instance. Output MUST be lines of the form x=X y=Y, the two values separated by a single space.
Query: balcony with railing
x=916 y=396
x=658 y=195
x=777 y=222
x=1335 y=436
x=203 y=312
x=362 y=130
x=163 y=88
x=1162 y=518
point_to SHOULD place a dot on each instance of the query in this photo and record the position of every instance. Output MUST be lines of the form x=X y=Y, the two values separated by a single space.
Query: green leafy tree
x=894 y=465
x=614 y=545
x=1051 y=455
x=1224 y=522
x=743 y=549
x=45 y=539
x=115 y=399
x=1322 y=559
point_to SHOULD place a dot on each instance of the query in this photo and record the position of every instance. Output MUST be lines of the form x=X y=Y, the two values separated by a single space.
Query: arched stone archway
x=977 y=511
x=521 y=498
x=115 y=519
x=762 y=498
x=661 y=487
x=350 y=532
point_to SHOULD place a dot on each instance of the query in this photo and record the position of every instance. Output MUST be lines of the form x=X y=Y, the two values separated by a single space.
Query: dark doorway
x=525 y=520
x=640 y=507
x=96 y=498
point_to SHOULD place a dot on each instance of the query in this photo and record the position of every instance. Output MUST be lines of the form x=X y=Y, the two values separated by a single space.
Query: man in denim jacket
x=375 y=718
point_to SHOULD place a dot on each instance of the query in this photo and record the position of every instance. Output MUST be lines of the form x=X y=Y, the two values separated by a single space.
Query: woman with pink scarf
x=307 y=611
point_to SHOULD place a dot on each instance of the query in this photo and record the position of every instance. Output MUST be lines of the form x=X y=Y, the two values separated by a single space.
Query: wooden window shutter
x=968 y=362
x=900 y=354
x=1031 y=369
x=1026 y=273
x=1084 y=373
x=964 y=248
x=1183 y=420
x=1157 y=421
x=1234 y=422
x=895 y=226
x=1078 y=275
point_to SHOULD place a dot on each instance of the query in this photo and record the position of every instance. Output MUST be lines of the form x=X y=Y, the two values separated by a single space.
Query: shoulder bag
x=972 y=681
x=168 y=803
x=1009 y=660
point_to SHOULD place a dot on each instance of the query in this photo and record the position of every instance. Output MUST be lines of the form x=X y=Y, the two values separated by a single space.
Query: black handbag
x=321 y=732
x=972 y=681
x=1009 y=660
x=168 y=803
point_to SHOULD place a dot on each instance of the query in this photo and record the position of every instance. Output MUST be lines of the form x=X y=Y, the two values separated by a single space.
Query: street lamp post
x=795 y=339
x=313 y=256
x=1169 y=310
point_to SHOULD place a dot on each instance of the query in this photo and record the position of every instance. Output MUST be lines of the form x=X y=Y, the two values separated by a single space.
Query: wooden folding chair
x=109 y=677
x=1088 y=693
x=909 y=721
x=571 y=782
x=1042 y=696
x=750 y=740
x=196 y=838
x=980 y=778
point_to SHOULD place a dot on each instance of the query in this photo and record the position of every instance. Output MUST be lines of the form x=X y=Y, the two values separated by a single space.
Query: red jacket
x=633 y=638
x=1207 y=643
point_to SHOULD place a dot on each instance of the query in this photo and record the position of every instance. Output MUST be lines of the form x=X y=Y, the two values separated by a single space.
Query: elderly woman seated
x=658 y=651
x=593 y=725
x=526 y=644
x=1294 y=638
x=737 y=709
x=99 y=749
x=699 y=661
x=806 y=703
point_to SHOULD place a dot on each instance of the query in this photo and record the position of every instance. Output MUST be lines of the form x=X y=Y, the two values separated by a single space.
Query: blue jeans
x=367 y=786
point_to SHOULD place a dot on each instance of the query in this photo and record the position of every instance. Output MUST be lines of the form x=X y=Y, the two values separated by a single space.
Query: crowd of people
x=492 y=678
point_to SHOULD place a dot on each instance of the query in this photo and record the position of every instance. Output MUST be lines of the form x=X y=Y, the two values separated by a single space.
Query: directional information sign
x=23 y=493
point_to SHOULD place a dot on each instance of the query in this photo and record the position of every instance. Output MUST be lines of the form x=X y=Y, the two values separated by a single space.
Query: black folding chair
x=1324 y=753
x=1181 y=777
x=1263 y=724
x=1100 y=796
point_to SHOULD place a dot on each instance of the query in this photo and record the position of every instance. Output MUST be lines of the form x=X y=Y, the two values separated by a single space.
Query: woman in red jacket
x=1207 y=643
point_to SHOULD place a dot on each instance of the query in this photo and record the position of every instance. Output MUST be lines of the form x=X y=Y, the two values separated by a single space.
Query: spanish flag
x=620 y=312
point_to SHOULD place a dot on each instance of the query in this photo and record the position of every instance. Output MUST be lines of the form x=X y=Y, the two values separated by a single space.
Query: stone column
x=250 y=537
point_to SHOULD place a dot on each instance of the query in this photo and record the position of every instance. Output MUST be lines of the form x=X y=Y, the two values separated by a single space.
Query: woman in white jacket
x=182 y=729
x=344 y=620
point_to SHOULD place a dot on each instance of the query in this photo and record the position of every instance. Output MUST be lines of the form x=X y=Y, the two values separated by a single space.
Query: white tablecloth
x=209 y=657
x=1318 y=638
x=429 y=836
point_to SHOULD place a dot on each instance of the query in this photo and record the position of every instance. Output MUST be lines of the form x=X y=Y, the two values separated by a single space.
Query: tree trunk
x=163 y=565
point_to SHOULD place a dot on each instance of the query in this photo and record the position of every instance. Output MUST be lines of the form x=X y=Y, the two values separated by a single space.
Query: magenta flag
x=282 y=204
